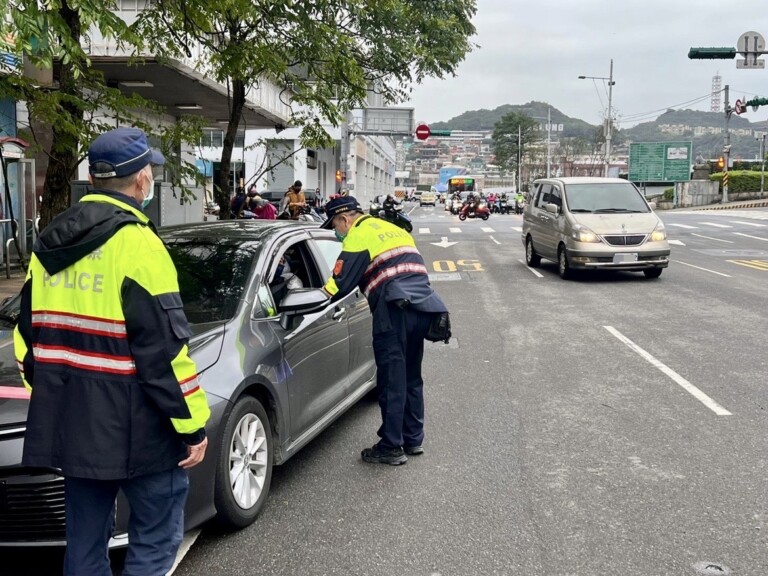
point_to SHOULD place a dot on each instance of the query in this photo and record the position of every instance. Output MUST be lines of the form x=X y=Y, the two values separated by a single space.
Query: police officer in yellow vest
x=382 y=260
x=101 y=342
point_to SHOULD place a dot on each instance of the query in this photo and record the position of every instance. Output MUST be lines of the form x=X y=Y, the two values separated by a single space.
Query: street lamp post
x=609 y=120
x=762 y=162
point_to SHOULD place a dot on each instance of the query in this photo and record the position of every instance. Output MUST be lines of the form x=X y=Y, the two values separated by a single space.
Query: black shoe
x=379 y=455
x=414 y=450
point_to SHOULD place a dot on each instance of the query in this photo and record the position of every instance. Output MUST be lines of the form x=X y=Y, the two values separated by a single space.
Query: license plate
x=624 y=257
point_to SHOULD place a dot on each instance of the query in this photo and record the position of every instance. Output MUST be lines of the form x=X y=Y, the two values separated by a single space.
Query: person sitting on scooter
x=390 y=206
x=519 y=201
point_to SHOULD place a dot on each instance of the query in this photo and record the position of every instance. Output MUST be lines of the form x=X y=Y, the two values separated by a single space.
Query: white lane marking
x=454 y=230
x=423 y=230
x=748 y=223
x=535 y=272
x=488 y=229
x=750 y=236
x=7 y=343
x=716 y=225
x=411 y=210
x=682 y=226
x=676 y=243
x=687 y=386
x=494 y=239
x=517 y=228
x=186 y=544
x=700 y=268
x=710 y=238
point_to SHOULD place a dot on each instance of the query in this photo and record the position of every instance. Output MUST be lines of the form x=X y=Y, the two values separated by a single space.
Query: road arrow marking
x=443 y=243
x=494 y=239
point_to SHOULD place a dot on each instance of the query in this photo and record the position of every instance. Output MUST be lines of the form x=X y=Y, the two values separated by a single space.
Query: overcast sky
x=535 y=50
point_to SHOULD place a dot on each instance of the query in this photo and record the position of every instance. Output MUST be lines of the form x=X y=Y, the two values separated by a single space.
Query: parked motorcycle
x=396 y=216
x=471 y=210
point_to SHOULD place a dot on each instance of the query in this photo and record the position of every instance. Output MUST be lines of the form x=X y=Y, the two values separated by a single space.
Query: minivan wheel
x=653 y=272
x=531 y=258
x=563 y=267
x=244 y=469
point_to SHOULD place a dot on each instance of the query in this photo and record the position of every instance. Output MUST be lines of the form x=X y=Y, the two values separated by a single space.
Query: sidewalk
x=11 y=286
x=741 y=204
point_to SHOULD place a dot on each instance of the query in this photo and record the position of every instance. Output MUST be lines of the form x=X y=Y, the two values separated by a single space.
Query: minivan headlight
x=584 y=234
x=659 y=234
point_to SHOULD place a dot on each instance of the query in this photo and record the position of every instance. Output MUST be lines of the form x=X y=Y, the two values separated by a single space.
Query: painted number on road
x=460 y=265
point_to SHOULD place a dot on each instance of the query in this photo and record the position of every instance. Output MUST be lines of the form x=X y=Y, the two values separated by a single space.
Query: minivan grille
x=32 y=508
x=625 y=240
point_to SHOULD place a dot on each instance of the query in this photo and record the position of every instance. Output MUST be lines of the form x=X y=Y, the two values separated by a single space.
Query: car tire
x=240 y=496
x=653 y=272
x=532 y=259
x=563 y=266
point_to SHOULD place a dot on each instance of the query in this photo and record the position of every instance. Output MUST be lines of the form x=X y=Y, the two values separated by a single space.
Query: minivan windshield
x=604 y=198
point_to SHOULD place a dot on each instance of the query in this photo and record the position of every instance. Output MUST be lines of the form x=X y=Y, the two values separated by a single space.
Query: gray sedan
x=278 y=361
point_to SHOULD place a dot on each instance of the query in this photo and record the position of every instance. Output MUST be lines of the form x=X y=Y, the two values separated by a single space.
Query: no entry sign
x=422 y=132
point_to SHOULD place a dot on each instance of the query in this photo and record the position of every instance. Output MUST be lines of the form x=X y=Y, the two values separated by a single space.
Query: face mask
x=279 y=271
x=150 y=195
x=339 y=236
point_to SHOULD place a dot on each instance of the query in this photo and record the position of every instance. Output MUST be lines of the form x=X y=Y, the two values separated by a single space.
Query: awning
x=180 y=90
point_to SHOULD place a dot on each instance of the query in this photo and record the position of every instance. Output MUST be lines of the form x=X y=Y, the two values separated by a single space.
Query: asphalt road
x=573 y=428
x=610 y=425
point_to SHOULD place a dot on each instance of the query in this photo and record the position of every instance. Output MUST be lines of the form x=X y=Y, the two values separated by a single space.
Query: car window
x=544 y=196
x=330 y=250
x=212 y=274
x=292 y=266
x=555 y=198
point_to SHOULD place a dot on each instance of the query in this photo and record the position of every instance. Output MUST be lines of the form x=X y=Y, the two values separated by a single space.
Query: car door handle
x=339 y=314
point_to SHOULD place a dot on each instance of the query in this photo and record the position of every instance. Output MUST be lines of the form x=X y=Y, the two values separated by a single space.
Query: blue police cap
x=121 y=152
x=339 y=206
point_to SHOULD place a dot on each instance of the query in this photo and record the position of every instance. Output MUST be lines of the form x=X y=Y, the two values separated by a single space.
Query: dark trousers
x=155 y=529
x=398 y=352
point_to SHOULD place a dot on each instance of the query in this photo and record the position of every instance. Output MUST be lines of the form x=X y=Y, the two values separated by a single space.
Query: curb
x=756 y=204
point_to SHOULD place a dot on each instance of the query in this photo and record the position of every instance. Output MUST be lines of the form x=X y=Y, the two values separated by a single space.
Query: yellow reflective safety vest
x=382 y=260
x=101 y=341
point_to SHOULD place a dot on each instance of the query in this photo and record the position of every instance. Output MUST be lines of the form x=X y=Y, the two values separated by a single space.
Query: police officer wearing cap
x=101 y=341
x=382 y=261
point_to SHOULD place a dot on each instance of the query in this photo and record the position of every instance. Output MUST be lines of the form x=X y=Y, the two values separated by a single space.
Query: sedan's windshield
x=212 y=275
x=604 y=198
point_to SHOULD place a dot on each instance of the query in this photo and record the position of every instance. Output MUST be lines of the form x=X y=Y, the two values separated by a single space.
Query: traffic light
x=712 y=53
x=339 y=175
x=755 y=102
x=721 y=163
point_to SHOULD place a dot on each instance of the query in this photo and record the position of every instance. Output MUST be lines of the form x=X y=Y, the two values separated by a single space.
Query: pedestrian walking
x=383 y=261
x=101 y=342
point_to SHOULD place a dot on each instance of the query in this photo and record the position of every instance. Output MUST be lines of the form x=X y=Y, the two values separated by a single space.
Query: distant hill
x=486 y=119
x=671 y=125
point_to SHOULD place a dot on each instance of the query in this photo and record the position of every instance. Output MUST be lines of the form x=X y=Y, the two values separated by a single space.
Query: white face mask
x=150 y=194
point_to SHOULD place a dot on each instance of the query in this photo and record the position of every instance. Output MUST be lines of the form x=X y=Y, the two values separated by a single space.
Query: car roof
x=251 y=229
x=583 y=180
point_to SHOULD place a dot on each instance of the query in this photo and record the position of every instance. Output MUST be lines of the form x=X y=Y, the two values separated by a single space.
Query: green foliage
x=739 y=180
x=669 y=193
x=506 y=147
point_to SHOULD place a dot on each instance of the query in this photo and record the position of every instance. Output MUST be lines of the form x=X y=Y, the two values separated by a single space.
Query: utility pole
x=519 y=158
x=727 y=146
x=762 y=162
x=609 y=128
x=549 y=133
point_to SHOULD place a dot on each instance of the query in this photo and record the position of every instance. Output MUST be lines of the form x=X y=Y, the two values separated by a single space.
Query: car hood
x=602 y=224
x=204 y=348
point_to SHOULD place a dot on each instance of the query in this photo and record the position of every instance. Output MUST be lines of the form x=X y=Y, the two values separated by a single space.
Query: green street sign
x=660 y=162
x=439 y=132
x=723 y=53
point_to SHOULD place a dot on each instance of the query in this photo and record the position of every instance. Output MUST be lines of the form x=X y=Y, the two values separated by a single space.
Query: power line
x=632 y=117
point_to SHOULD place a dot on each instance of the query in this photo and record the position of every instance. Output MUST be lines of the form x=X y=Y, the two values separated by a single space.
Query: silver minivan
x=592 y=223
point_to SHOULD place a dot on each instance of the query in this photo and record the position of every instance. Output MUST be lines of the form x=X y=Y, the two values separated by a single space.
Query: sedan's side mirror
x=552 y=208
x=304 y=301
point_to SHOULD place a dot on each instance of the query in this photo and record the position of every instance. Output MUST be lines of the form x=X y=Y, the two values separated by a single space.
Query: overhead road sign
x=660 y=161
x=751 y=45
x=722 y=53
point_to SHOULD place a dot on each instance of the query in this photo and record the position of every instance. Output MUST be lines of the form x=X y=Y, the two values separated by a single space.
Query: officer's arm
x=347 y=273
x=158 y=334
x=22 y=334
